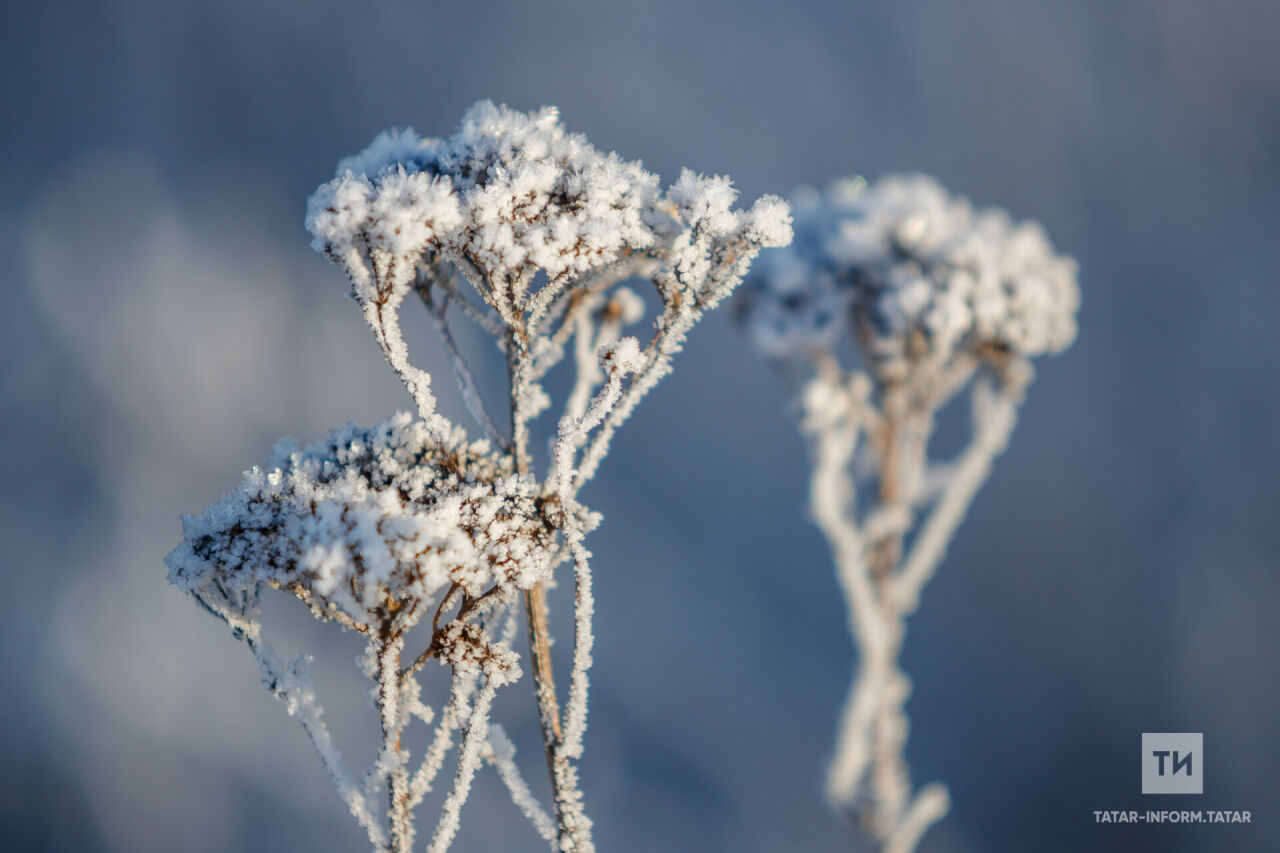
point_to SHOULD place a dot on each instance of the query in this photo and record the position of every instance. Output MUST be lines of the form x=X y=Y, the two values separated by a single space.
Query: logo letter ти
x=1182 y=772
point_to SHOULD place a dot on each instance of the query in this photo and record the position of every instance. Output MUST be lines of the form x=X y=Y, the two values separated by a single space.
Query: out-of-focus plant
x=894 y=299
x=529 y=233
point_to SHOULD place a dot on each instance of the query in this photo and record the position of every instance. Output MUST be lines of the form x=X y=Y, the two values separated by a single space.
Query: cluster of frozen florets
x=912 y=272
x=511 y=194
x=370 y=525
x=713 y=229
x=622 y=355
x=467 y=648
x=510 y=191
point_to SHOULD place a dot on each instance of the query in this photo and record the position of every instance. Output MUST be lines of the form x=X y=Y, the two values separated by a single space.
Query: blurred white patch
x=197 y=325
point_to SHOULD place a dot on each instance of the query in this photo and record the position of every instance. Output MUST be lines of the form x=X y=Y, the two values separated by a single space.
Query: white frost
x=906 y=265
x=529 y=232
x=370 y=523
x=892 y=300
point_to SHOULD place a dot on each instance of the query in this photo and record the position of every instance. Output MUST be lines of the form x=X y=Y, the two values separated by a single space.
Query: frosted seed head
x=409 y=211
x=339 y=212
x=768 y=222
x=512 y=194
x=370 y=525
x=912 y=272
x=624 y=354
x=705 y=202
x=529 y=195
x=467 y=648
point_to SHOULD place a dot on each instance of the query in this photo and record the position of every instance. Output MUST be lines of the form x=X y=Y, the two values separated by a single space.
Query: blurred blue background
x=164 y=322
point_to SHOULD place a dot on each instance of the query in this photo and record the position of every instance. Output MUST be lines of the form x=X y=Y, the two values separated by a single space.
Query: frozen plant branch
x=892 y=300
x=461 y=371
x=296 y=689
x=531 y=233
x=501 y=753
x=993 y=423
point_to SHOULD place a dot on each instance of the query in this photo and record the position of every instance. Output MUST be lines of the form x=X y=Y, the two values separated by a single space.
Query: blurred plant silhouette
x=529 y=233
x=893 y=300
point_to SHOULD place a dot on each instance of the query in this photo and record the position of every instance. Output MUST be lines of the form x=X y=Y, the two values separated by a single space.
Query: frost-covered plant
x=892 y=300
x=529 y=233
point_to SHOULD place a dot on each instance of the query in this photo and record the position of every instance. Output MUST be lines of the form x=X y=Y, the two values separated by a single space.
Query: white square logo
x=1173 y=762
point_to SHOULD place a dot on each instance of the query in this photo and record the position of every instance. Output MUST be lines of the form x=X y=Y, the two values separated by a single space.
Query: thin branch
x=685 y=305
x=484 y=288
x=296 y=689
x=468 y=762
x=967 y=476
x=572 y=432
x=929 y=806
x=378 y=290
x=441 y=740
x=501 y=754
x=485 y=317
x=575 y=724
x=461 y=371
x=587 y=368
x=548 y=304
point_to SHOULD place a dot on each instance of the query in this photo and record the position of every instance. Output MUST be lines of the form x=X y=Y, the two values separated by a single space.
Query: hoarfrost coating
x=371 y=522
x=911 y=269
x=514 y=193
x=529 y=233
x=895 y=298
x=513 y=198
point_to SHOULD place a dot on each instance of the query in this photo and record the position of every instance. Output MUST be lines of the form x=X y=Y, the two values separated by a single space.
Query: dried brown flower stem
x=535 y=601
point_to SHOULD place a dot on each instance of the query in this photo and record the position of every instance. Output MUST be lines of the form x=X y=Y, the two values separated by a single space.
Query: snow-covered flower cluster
x=513 y=193
x=529 y=213
x=369 y=525
x=467 y=648
x=912 y=272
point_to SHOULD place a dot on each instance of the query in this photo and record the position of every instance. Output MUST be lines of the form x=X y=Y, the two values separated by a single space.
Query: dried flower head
x=467 y=648
x=537 y=221
x=914 y=273
x=369 y=525
x=513 y=193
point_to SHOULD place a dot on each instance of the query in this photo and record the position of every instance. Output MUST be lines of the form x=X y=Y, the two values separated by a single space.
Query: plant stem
x=888 y=772
x=399 y=813
x=535 y=603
